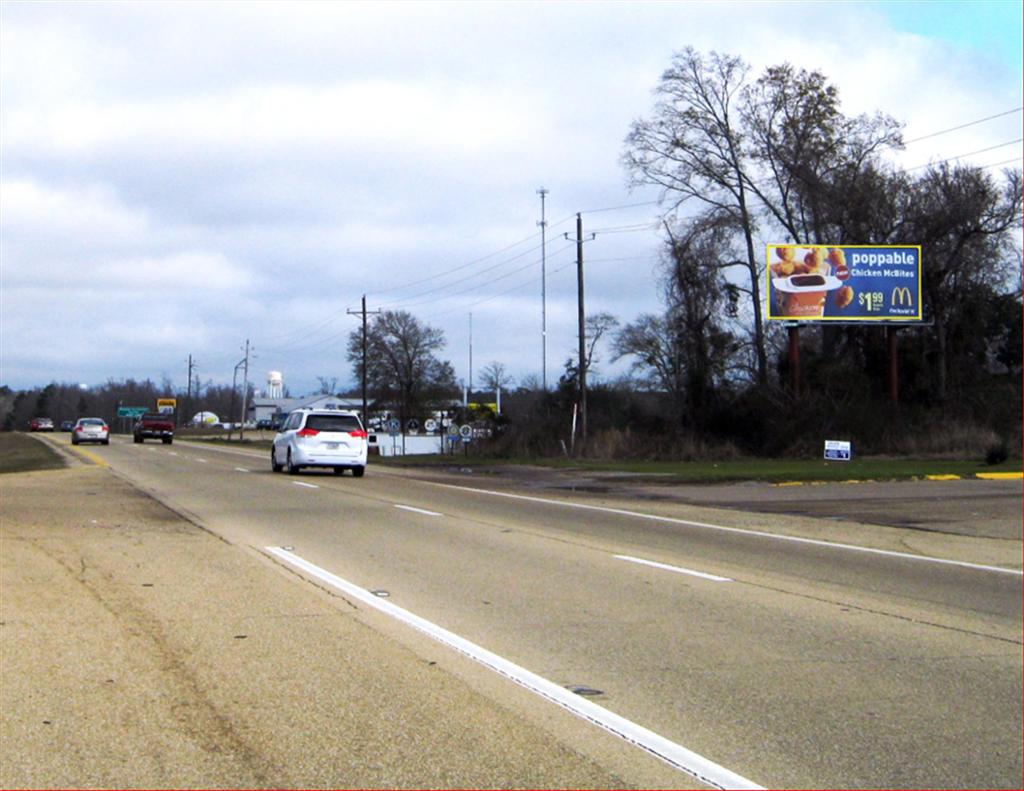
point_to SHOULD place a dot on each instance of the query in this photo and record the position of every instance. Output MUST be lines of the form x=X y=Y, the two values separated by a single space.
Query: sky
x=179 y=178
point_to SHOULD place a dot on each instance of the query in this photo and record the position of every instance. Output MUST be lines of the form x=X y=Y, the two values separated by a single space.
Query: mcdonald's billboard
x=844 y=283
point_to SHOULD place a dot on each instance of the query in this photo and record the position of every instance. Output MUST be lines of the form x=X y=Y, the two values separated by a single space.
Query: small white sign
x=835 y=450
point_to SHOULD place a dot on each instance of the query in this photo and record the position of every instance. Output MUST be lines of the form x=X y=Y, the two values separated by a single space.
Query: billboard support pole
x=794 y=360
x=894 y=366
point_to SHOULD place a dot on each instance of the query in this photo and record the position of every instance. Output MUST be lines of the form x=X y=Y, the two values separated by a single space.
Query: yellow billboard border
x=845 y=319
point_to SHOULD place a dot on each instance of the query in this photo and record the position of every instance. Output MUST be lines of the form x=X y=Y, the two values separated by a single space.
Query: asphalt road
x=784 y=650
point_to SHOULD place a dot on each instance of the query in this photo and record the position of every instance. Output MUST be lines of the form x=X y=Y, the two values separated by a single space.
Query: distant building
x=266 y=408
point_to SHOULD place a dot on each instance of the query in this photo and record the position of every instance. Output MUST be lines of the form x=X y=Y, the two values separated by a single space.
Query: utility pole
x=470 y=390
x=582 y=329
x=363 y=312
x=543 y=293
x=245 y=391
x=188 y=398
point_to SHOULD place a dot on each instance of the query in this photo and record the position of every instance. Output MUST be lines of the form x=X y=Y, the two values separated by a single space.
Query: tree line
x=741 y=160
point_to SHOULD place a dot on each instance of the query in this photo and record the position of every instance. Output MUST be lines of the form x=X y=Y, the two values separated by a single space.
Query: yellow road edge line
x=1000 y=476
x=98 y=461
x=942 y=477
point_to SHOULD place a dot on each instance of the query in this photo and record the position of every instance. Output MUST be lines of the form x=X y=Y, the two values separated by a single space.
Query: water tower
x=275 y=385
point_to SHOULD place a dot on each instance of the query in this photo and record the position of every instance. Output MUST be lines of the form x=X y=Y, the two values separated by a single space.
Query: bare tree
x=694 y=147
x=495 y=377
x=402 y=366
x=328 y=385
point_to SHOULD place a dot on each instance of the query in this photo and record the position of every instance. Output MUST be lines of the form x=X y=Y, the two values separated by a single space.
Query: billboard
x=165 y=406
x=844 y=283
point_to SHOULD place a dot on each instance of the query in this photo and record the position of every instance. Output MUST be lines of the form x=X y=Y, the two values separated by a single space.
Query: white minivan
x=320 y=438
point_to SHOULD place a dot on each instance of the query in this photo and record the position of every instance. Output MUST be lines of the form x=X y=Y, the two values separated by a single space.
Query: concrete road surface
x=767 y=649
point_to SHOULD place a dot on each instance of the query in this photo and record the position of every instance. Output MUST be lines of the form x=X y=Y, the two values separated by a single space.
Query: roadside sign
x=413 y=426
x=166 y=406
x=466 y=432
x=430 y=425
x=131 y=411
x=838 y=451
x=852 y=283
x=394 y=426
x=453 y=430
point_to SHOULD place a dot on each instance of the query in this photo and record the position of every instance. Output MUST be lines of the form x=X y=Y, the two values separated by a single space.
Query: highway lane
x=804 y=666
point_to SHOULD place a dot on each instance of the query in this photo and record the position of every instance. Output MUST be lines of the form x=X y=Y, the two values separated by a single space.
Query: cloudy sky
x=180 y=177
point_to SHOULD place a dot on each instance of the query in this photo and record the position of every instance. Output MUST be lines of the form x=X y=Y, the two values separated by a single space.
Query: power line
x=453 y=269
x=968 y=154
x=963 y=126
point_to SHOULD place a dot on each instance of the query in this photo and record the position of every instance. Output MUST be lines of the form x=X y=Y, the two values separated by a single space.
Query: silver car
x=90 y=429
x=320 y=438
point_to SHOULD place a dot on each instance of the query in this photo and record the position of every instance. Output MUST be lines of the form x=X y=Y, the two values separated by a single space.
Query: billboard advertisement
x=844 y=283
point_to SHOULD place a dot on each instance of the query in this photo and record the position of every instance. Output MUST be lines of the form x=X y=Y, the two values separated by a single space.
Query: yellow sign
x=166 y=405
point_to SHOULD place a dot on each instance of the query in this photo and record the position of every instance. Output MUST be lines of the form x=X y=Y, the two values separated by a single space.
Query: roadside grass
x=22 y=453
x=767 y=470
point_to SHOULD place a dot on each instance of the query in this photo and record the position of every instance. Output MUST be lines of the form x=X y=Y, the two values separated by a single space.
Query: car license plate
x=333 y=445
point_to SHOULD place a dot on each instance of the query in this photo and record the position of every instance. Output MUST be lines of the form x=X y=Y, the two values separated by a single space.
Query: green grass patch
x=768 y=470
x=783 y=470
x=22 y=453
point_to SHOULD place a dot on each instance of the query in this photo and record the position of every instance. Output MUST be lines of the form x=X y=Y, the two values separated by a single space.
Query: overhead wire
x=963 y=126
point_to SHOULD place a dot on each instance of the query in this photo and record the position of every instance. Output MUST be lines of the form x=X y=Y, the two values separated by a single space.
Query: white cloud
x=271 y=162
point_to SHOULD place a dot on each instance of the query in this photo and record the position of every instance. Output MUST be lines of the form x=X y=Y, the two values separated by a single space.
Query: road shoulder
x=140 y=650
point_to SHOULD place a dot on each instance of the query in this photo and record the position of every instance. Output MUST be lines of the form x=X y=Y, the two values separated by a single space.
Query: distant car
x=320 y=438
x=67 y=425
x=40 y=424
x=90 y=429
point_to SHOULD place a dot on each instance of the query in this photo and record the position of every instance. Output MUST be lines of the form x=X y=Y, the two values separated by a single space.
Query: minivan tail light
x=308 y=432
x=78 y=429
x=359 y=434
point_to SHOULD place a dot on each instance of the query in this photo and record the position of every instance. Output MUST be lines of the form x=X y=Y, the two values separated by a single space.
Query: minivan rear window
x=333 y=423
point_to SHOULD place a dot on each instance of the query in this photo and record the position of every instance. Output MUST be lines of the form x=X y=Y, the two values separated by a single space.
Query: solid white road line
x=307 y=485
x=740 y=530
x=241 y=469
x=676 y=755
x=417 y=510
x=677 y=569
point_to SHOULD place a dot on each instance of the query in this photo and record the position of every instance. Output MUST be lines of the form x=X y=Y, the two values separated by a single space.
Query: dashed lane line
x=676 y=569
x=417 y=510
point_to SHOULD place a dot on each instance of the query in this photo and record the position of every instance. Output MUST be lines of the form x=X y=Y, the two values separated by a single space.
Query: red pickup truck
x=154 y=426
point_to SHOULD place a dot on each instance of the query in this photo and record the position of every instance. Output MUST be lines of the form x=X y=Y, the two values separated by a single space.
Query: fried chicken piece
x=844 y=297
x=815 y=260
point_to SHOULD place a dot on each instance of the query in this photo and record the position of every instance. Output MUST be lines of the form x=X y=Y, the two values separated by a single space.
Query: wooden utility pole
x=582 y=330
x=363 y=313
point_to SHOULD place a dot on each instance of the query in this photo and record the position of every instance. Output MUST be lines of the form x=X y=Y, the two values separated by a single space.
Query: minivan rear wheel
x=292 y=468
x=358 y=471
x=273 y=462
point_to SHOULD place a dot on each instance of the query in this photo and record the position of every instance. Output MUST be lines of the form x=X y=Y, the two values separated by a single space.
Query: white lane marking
x=241 y=469
x=172 y=453
x=202 y=461
x=740 y=530
x=417 y=510
x=307 y=485
x=677 y=569
x=668 y=751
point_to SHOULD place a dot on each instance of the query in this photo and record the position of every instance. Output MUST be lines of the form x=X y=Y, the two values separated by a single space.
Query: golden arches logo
x=901 y=296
